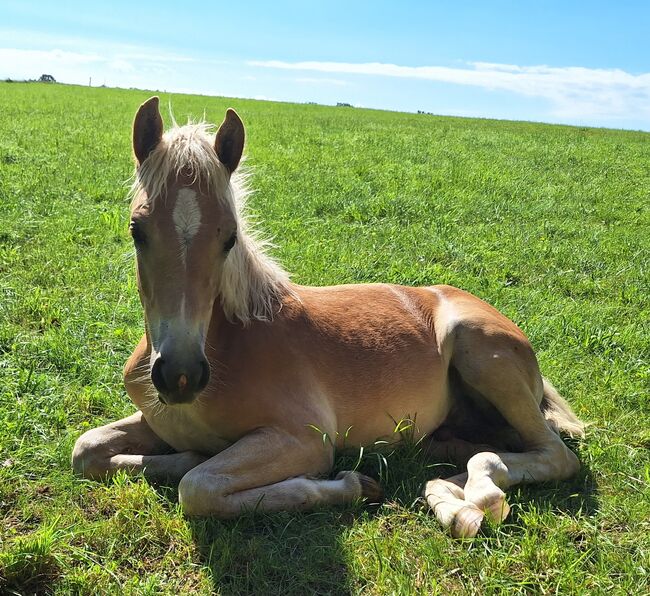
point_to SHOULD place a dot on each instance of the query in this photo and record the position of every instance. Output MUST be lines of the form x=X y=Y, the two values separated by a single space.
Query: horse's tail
x=558 y=413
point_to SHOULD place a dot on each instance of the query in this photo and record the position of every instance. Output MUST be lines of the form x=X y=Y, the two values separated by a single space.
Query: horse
x=241 y=374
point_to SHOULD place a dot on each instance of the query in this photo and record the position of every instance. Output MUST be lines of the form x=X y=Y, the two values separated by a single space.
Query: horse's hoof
x=497 y=509
x=371 y=490
x=489 y=498
x=467 y=522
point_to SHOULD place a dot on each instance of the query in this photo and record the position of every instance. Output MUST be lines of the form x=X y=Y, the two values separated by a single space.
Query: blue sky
x=585 y=63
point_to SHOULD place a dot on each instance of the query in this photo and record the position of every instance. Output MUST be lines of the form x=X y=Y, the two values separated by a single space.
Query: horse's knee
x=204 y=494
x=89 y=456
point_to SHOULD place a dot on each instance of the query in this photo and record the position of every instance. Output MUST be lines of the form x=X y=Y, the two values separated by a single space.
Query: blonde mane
x=252 y=282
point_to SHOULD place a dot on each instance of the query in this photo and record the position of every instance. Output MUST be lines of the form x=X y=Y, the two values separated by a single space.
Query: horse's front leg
x=270 y=470
x=130 y=444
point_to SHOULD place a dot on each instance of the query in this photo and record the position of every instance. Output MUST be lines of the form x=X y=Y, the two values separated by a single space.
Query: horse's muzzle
x=179 y=383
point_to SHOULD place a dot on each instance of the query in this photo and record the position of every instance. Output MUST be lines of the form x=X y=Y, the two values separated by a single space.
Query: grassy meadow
x=550 y=224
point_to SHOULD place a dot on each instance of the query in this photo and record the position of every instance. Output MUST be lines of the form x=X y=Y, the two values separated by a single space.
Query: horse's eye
x=230 y=242
x=136 y=233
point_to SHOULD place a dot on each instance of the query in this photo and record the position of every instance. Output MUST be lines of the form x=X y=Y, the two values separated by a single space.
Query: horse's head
x=183 y=224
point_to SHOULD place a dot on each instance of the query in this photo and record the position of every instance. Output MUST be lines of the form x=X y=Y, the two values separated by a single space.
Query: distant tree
x=46 y=78
x=341 y=104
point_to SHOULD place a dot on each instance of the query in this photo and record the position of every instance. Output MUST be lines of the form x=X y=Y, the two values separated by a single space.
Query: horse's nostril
x=157 y=376
x=182 y=383
x=205 y=375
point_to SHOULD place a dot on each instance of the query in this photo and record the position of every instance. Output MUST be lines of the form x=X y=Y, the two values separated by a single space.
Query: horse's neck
x=221 y=330
x=218 y=319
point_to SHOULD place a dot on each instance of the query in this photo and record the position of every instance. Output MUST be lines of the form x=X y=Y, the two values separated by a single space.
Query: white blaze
x=187 y=218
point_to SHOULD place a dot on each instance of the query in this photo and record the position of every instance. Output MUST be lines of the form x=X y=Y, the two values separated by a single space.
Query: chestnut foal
x=239 y=366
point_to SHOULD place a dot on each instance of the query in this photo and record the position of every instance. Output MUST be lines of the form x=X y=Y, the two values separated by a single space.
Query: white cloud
x=85 y=45
x=12 y=56
x=572 y=91
x=119 y=64
x=73 y=67
x=319 y=81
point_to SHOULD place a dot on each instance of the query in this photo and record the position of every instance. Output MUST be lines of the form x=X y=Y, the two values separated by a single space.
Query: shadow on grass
x=282 y=553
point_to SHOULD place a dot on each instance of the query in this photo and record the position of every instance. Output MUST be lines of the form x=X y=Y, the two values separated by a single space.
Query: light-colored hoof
x=467 y=522
x=493 y=502
x=488 y=497
x=498 y=509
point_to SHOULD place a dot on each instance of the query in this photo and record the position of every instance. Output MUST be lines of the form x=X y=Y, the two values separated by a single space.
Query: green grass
x=548 y=223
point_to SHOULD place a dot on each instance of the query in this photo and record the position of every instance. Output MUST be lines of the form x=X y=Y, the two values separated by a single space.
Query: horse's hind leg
x=547 y=458
x=504 y=372
x=130 y=444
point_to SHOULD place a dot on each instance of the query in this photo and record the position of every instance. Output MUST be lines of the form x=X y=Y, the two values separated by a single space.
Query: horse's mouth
x=176 y=399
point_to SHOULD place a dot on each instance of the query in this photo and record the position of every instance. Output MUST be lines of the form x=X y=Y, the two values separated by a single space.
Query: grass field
x=548 y=223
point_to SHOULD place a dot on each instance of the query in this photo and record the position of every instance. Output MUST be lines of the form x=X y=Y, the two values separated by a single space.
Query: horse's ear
x=229 y=143
x=147 y=129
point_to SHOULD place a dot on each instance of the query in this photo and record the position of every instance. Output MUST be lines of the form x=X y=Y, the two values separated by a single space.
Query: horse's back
x=386 y=325
x=391 y=316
